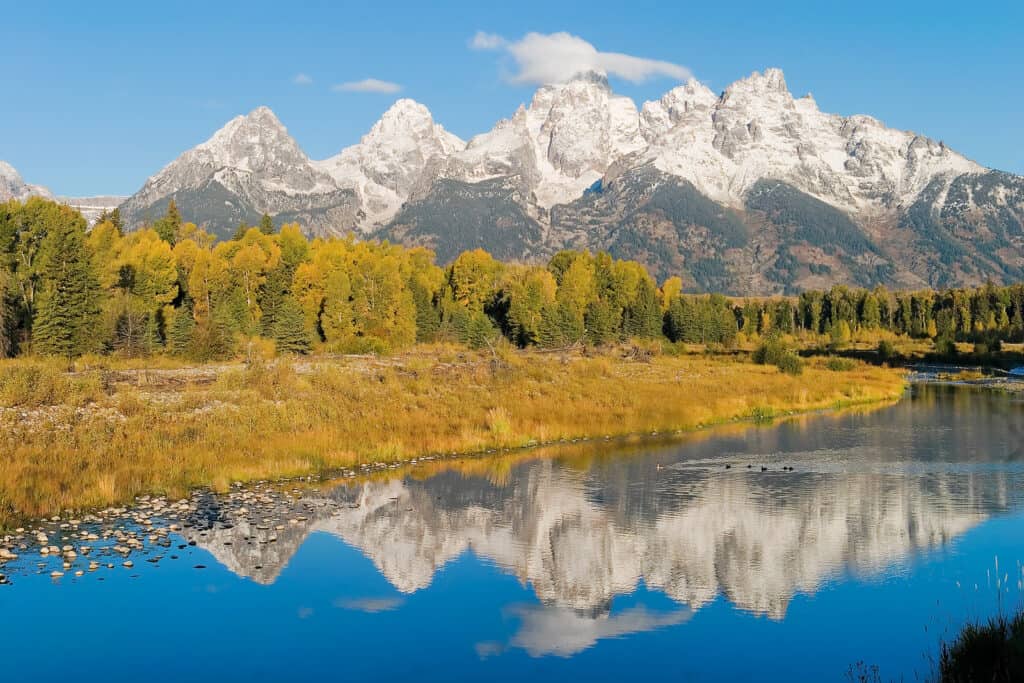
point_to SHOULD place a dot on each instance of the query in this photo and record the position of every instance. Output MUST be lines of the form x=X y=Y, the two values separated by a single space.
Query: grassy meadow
x=108 y=430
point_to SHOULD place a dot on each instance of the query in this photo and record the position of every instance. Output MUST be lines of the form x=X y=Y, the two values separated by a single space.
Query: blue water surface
x=657 y=560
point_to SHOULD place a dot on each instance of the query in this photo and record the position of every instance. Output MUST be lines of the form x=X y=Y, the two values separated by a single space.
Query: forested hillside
x=170 y=288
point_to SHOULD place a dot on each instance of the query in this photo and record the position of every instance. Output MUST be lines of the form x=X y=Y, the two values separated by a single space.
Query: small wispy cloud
x=369 y=605
x=373 y=85
x=302 y=79
x=487 y=41
x=556 y=57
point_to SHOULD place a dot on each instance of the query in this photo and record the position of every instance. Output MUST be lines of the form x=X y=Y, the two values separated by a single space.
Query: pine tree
x=267 y=225
x=643 y=316
x=7 y=317
x=560 y=327
x=213 y=337
x=681 y=322
x=115 y=218
x=428 y=318
x=179 y=337
x=167 y=227
x=275 y=290
x=129 y=331
x=290 y=330
x=152 y=342
x=602 y=322
x=479 y=331
x=69 y=303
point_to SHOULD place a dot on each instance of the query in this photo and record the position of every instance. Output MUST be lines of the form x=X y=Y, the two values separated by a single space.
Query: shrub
x=773 y=351
x=840 y=364
x=946 y=347
x=886 y=350
x=769 y=351
x=790 y=363
x=841 y=334
x=992 y=652
x=32 y=384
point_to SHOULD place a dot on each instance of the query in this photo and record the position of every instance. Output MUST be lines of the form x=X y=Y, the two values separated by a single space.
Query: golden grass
x=279 y=419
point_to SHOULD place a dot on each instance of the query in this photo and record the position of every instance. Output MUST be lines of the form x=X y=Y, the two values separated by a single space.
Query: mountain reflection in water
x=867 y=492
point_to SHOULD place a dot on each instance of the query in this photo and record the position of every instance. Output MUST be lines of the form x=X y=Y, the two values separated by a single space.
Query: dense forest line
x=67 y=290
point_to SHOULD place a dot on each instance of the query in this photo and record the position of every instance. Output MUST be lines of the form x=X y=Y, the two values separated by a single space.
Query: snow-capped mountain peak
x=249 y=166
x=560 y=144
x=690 y=100
x=257 y=142
x=757 y=130
x=770 y=81
x=13 y=186
x=386 y=164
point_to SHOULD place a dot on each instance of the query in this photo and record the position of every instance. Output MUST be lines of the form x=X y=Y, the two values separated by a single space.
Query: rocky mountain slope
x=249 y=167
x=12 y=186
x=751 y=191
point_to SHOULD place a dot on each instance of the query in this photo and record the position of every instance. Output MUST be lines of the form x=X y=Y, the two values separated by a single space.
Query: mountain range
x=13 y=186
x=747 y=191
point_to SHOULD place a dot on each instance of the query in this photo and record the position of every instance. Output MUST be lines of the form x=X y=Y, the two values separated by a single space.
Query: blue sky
x=96 y=97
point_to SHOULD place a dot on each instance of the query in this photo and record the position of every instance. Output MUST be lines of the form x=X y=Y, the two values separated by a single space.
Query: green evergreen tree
x=480 y=331
x=275 y=290
x=179 y=336
x=428 y=318
x=681 y=321
x=213 y=338
x=602 y=322
x=152 y=340
x=7 y=317
x=642 y=317
x=560 y=326
x=167 y=227
x=68 y=307
x=240 y=231
x=129 y=333
x=290 y=330
x=115 y=218
x=267 y=225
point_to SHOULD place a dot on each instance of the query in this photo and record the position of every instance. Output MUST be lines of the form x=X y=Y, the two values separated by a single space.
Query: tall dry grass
x=286 y=418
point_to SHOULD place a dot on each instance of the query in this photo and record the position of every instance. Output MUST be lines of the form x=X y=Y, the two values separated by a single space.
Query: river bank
x=99 y=436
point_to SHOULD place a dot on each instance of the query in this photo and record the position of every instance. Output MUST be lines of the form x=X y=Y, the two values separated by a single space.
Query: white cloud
x=367 y=85
x=370 y=605
x=556 y=57
x=487 y=41
x=302 y=79
x=564 y=632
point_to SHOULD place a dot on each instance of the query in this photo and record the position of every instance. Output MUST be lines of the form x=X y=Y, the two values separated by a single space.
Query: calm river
x=786 y=552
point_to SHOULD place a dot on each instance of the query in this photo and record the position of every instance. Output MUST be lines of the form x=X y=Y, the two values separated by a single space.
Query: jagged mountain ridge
x=13 y=186
x=751 y=191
